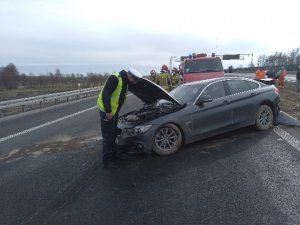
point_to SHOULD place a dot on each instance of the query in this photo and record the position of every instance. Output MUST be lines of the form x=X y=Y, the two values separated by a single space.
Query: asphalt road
x=50 y=173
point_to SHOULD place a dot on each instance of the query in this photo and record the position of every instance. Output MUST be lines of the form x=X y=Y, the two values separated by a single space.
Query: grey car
x=195 y=111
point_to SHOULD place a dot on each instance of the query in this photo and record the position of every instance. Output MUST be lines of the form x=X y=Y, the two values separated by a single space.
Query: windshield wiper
x=211 y=70
x=193 y=72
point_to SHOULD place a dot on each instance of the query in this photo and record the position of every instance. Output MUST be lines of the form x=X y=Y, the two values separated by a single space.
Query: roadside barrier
x=39 y=101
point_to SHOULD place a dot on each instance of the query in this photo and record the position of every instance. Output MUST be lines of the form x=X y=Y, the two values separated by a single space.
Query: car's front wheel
x=264 y=118
x=167 y=140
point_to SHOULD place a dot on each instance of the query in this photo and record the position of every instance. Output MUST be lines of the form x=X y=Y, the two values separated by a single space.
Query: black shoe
x=110 y=165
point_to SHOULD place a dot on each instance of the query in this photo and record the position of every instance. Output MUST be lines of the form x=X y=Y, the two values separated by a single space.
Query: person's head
x=153 y=73
x=164 y=68
x=133 y=75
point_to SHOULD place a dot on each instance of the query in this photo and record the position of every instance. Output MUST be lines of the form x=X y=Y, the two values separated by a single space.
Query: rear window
x=237 y=86
x=203 y=65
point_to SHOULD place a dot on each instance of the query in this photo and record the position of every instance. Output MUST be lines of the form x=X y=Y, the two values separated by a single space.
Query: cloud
x=105 y=36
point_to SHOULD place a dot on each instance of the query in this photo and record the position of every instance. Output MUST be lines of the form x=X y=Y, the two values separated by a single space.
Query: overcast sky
x=79 y=36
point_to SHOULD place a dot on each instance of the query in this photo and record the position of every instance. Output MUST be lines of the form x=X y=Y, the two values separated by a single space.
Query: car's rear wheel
x=167 y=140
x=264 y=118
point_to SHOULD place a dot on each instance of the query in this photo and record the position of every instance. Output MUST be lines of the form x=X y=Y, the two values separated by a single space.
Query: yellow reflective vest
x=114 y=100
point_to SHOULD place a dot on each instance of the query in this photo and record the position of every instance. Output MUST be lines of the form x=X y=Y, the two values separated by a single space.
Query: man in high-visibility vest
x=110 y=101
x=260 y=74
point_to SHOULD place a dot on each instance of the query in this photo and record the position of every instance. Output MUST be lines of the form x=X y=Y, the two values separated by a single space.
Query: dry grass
x=290 y=100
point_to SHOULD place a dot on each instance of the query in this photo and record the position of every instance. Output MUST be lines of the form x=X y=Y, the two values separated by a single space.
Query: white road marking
x=45 y=124
x=287 y=137
x=48 y=123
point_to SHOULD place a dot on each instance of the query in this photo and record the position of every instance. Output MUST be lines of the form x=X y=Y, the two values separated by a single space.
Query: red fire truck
x=201 y=66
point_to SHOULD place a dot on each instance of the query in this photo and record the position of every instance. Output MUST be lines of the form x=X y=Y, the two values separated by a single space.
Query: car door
x=243 y=98
x=212 y=117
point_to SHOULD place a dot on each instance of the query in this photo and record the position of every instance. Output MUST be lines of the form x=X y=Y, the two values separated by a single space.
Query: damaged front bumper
x=136 y=142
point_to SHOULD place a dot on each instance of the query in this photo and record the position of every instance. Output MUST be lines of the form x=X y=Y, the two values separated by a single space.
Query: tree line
x=10 y=79
x=289 y=60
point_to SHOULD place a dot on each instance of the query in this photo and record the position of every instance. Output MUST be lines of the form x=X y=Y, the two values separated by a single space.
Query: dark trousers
x=109 y=134
x=298 y=85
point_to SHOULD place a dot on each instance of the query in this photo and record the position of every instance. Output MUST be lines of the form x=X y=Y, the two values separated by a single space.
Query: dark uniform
x=298 y=79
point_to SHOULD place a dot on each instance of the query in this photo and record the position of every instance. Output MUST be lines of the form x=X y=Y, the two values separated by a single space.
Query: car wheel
x=167 y=140
x=264 y=118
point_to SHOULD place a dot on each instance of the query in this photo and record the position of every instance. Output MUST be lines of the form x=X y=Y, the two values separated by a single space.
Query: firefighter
x=153 y=77
x=164 y=76
x=176 y=78
x=110 y=101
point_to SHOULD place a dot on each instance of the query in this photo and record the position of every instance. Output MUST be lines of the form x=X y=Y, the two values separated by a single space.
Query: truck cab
x=200 y=67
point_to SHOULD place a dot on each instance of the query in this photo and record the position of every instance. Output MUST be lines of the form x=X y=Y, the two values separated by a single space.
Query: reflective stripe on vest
x=114 y=100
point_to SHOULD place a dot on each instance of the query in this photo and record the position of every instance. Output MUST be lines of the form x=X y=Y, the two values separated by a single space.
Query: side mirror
x=204 y=98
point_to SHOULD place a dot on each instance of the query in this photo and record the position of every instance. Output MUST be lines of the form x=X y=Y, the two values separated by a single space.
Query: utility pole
x=175 y=59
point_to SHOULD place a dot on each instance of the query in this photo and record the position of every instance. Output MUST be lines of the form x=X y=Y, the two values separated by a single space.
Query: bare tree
x=9 y=77
x=280 y=59
x=261 y=60
x=293 y=56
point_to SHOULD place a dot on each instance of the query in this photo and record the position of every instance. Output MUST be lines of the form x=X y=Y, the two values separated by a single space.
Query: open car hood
x=150 y=92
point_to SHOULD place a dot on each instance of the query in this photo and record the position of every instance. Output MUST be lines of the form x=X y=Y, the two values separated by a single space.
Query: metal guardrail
x=290 y=76
x=22 y=102
x=247 y=75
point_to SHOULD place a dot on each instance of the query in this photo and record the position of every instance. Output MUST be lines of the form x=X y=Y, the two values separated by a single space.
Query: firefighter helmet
x=164 y=68
x=152 y=72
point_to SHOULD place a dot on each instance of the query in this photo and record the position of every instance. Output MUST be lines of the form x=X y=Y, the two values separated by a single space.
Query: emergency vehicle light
x=201 y=55
x=193 y=56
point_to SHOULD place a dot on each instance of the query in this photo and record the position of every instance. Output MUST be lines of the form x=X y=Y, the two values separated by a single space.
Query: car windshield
x=203 y=65
x=186 y=93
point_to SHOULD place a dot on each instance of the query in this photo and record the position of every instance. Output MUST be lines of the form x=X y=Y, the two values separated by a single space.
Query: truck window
x=203 y=65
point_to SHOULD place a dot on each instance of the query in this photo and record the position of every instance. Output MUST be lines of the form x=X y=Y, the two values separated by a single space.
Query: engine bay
x=148 y=113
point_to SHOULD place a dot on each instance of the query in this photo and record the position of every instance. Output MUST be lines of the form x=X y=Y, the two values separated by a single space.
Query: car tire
x=264 y=118
x=167 y=140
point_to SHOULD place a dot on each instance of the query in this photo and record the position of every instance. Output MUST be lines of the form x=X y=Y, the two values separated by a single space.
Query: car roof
x=212 y=80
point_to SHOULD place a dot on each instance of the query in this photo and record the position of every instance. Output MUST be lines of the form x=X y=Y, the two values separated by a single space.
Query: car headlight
x=137 y=130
